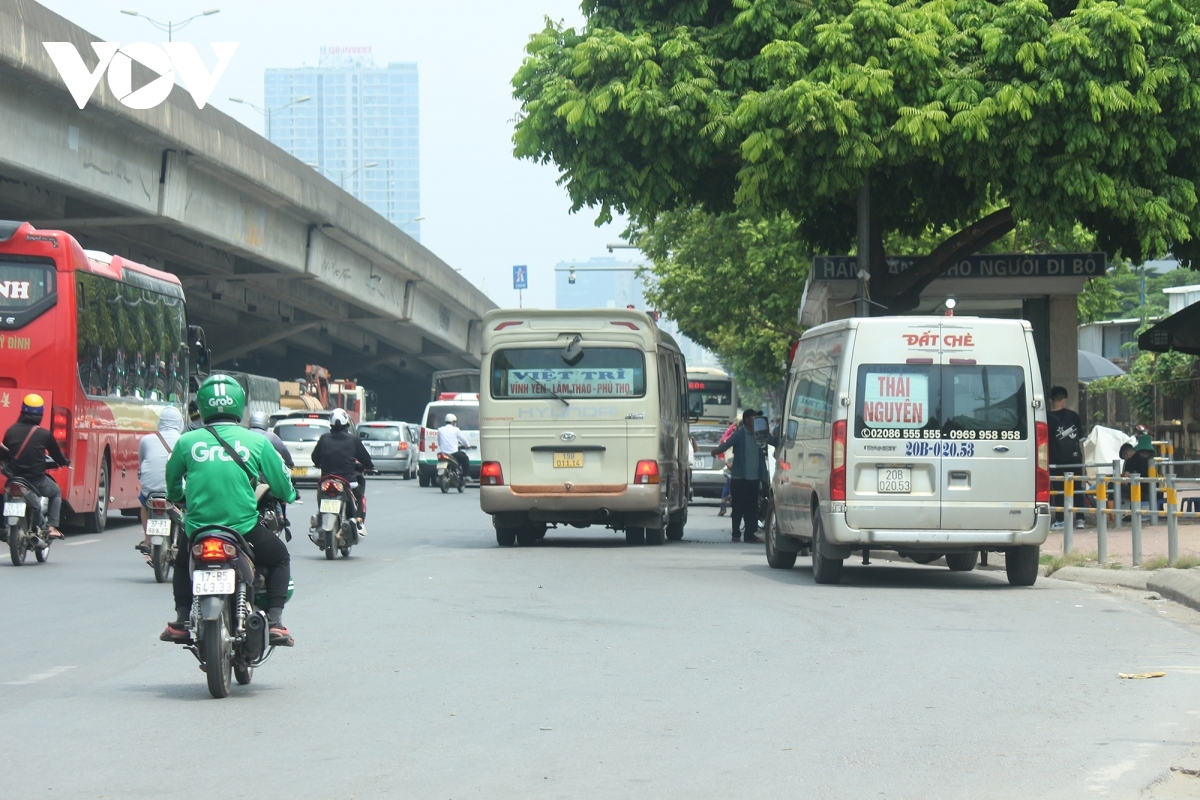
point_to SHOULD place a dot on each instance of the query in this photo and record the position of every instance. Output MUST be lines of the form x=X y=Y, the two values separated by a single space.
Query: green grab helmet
x=220 y=396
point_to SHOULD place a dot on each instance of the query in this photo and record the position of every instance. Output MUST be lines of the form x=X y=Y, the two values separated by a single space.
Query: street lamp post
x=269 y=112
x=341 y=173
x=169 y=27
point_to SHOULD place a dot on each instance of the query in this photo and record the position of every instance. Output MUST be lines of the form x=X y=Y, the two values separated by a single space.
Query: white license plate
x=158 y=527
x=329 y=506
x=441 y=466
x=895 y=480
x=702 y=463
x=14 y=509
x=213 y=581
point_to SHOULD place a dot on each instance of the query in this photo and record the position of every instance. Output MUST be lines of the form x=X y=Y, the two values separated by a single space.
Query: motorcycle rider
x=452 y=442
x=258 y=422
x=153 y=452
x=336 y=453
x=24 y=451
x=221 y=492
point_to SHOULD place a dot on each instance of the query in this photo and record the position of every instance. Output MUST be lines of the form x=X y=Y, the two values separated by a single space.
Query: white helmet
x=451 y=419
x=339 y=419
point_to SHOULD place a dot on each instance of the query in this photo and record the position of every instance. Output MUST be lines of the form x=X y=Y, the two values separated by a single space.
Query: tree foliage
x=969 y=116
x=1170 y=374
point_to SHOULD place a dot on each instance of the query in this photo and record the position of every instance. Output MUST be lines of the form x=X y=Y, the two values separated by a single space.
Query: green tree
x=969 y=117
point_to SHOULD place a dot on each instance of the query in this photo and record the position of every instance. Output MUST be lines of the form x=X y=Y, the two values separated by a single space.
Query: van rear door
x=893 y=464
x=987 y=429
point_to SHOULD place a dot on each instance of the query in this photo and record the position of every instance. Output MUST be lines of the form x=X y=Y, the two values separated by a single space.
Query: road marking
x=41 y=676
x=80 y=542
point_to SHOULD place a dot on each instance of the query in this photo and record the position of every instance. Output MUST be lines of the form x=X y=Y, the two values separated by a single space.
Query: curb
x=1180 y=585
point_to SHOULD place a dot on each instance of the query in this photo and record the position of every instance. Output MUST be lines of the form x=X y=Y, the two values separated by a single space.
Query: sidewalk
x=1120 y=542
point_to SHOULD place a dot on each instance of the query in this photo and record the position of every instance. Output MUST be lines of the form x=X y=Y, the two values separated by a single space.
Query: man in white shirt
x=450 y=438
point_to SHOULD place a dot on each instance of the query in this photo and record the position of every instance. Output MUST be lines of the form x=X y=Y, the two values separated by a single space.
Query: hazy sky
x=484 y=210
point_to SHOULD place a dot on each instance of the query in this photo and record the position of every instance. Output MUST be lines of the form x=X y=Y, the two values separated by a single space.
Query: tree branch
x=762 y=321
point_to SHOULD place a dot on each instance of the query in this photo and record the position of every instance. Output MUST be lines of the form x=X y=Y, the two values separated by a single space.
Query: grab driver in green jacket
x=219 y=492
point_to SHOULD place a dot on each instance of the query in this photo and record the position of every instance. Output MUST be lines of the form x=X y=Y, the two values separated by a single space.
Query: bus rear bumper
x=618 y=505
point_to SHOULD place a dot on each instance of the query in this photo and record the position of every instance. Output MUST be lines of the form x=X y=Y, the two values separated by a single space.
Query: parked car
x=392 y=445
x=708 y=472
x=300 y=437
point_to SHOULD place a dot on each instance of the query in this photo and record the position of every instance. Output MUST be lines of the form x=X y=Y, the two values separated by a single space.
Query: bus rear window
x=26 y=290
x=602 y=373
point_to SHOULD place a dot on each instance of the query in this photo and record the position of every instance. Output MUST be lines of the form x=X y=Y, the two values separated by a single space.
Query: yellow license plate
x=568 y=460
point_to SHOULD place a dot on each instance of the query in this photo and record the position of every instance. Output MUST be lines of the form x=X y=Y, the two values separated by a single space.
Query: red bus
x=105 y=342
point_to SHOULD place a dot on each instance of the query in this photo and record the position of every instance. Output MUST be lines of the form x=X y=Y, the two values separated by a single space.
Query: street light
x=270 y=112
x=170 y=27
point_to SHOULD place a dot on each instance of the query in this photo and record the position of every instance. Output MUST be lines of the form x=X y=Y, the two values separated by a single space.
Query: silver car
x=708 y=473
x=392 y=445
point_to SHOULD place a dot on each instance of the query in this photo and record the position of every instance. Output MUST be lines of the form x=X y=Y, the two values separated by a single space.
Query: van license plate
x=562 y=460
x=212 y=581
x=158 y=527
x=14 y=509
x=895 y=480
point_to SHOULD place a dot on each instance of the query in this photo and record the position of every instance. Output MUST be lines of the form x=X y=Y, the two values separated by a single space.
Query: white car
x=300 y=437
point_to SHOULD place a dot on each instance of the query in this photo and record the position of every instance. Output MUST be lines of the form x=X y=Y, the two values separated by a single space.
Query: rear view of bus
x=104 y=342
x=582 y=422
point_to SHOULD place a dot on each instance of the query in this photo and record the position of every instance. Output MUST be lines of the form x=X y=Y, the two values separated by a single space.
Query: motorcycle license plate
x=568 y=460
x=213 y=581
x=158 y=527
x=330 y=506
x=14 y=509
x=441 y=466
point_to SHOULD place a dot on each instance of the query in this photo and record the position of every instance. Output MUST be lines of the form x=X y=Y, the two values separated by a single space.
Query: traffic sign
x=521 y=277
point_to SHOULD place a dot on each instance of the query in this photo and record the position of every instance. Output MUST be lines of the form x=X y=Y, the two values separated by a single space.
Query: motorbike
x=449 y=472
x=164 y=525
x=333 y=526
x=21 y=504
x=230 y=629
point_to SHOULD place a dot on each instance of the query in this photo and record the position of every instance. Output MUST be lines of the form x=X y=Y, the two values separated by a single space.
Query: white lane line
x=41 y=676
x=80 y=542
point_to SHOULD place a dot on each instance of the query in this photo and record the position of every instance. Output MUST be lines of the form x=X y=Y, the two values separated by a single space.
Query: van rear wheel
x=635 y=536
x=962 y=562
x=526 y=536
x=506 y=537
x=1021 y=564
x=825 y=570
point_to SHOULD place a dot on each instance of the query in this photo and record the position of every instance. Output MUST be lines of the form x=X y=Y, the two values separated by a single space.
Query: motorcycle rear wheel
x=444 y=483
x=217 y=649
x=330 y=545
x=17 y=547
x=158 y=559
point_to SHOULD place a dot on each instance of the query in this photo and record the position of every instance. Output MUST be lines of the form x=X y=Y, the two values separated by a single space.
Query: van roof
x=532 y=324
x=927 y=320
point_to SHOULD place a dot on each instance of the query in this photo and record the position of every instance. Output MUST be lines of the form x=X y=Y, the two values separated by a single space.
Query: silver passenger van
x=921 y=435
x=583 y=421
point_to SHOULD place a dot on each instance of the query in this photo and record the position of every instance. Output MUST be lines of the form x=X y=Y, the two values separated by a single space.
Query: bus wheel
x=675 y=526
x=635 y=536
x=94 y=521
x=506 y=537
x=654 y=536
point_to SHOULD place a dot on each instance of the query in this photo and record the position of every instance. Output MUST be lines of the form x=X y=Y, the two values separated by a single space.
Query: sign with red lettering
x=892 y=400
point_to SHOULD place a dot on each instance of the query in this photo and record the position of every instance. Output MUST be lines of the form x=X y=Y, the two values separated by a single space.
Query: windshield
x=380 y=433
x=468 y=415
x=301 y=431
x=603 y=372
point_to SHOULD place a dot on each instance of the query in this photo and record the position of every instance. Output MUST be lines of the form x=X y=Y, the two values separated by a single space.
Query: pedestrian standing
x=747 y=476
x=1066 y=454
x=725 y=469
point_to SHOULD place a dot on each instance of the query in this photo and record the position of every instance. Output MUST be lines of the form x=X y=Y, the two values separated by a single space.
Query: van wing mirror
x=793 y=429
x=573 y=352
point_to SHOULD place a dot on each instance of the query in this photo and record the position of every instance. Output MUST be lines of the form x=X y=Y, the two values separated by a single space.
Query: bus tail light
x=1042 y=481
x=646 y=472
x=60 y=425
x=490 y=474
x=837 y=473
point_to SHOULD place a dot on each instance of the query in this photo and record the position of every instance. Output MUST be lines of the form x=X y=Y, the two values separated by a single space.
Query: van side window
x=812 y=405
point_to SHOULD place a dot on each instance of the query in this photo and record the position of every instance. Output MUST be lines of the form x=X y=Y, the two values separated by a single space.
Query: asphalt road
x=433 y=664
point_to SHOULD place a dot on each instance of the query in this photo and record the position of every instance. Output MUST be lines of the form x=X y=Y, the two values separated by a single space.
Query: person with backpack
x=153 y=452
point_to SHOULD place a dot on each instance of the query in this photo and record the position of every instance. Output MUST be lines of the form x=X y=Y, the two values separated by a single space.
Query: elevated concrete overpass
x=280 y=265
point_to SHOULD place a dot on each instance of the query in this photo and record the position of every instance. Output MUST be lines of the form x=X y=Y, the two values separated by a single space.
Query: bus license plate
x=568 y=460
x=158 y=527
x=212 y=581
x=895 y=480
x=330 y=506
x=14 y=509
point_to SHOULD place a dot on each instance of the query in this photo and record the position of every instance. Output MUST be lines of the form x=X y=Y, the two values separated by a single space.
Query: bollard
x=1117 y=467
x=1135 y=517
x=1101 y=519
x=1172 y=522
x=1068 y=511
x=1153 y=476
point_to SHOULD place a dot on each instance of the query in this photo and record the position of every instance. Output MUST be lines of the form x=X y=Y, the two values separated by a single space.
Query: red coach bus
x=105 y=342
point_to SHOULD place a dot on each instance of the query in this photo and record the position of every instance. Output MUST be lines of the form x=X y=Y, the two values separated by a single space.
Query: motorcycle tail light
x=211 y=550
x=490 y=474
x=158 y=503
x=16 y=489
x=331 y=487
x=646 y=472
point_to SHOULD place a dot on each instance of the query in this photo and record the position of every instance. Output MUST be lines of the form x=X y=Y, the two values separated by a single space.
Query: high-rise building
x=359 y=128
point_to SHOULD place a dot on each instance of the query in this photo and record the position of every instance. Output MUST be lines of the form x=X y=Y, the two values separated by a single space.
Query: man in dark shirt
x=1139 y=464
x=1066 y=454
x=336 y=454
x=24 y=451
